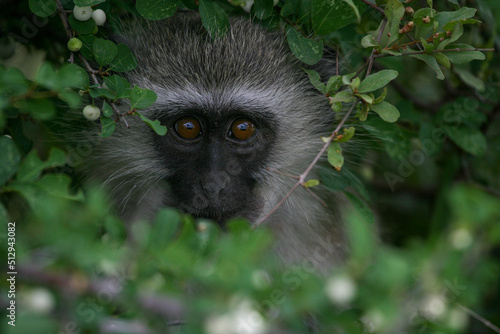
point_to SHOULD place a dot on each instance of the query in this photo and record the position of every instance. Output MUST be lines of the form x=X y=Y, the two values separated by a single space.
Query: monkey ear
x=327 y=66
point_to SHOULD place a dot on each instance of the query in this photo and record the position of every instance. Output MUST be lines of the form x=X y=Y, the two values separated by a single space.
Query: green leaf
x=369 y=41
x=12 y=82
x=368 y=98
x=107 y=111
x=424 y=30
x=108 y=126
x=141 y=98
x=87 y=49
x=471 y=140
x=289 y=8
x=119 y=85
x=82 y=27
x=377 y=80
x=361 y=207
x=432 y=62
x=363 y=113
x=58 y=185
x=10 y=159
x=87 y=3
x=442 y=59
x=46 y=76
x=31 y=167
x=306 y=50
x=214 y=18
x=166 y=226
x=461 y=14
x=386 y=111
x=330 y=16
x=263 y=8
x=470 y=79
x=315 y=79
x=124 y=61
x=463 y=57
x=394 y=12
x=311 y=183
x=104 y=51
x=354 y=8
x=342 y=96
x=348 y=134
x=43 y=8
x=156 y=9
x=155 y=125
x=335 y=157
x=42 y=109
x=72 y=75
x=102 y=92
x=72 y=98
x=333 y=84
x=381 y=97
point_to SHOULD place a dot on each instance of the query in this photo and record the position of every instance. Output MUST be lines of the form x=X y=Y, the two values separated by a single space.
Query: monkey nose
x=213 y=183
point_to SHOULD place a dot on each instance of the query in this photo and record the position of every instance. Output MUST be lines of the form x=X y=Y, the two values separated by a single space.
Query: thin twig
x=337 y=70
x=433 y=51
x=64 y=19
x=303 y=176
x=374 y=6
x=372 y=56
x=323 y=203
x=486 y=322
x=121 y=115
x=89 y=68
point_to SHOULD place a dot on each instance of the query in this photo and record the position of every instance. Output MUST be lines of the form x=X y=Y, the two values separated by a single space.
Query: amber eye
x=188 y=127
x=242 y=129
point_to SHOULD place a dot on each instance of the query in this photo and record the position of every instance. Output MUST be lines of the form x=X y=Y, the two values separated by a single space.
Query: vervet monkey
x=241 y=114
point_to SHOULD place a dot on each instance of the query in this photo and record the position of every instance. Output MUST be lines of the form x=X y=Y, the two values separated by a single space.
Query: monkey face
x=214 y=159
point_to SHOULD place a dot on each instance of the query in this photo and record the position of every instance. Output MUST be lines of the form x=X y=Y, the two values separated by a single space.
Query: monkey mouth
x=217 y=212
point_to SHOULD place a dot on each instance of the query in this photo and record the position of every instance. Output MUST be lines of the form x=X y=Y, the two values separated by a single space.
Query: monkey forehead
x=178 y=51
x=259 y=103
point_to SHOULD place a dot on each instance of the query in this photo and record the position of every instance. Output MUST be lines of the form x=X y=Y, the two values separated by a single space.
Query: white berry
x=91 y=113
x=341 y=289
x=99 y=17
x=82 y=13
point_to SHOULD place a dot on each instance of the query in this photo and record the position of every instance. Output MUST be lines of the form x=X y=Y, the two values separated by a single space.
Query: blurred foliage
x=432 y=177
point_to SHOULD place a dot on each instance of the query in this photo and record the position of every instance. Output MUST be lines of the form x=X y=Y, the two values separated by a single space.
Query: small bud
x=407 y=28
x=441 y=39
x=426 y=20
x=82 y=13
x=74 y=44
x=409 y=11
x=99 y=17
x=388 y=34
x=91 y=113
x=448 y=33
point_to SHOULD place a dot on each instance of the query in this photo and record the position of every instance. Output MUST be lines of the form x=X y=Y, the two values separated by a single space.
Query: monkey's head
x=237 y=109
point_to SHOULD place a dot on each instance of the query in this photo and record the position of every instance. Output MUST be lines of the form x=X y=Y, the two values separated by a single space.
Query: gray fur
x=249 y=68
